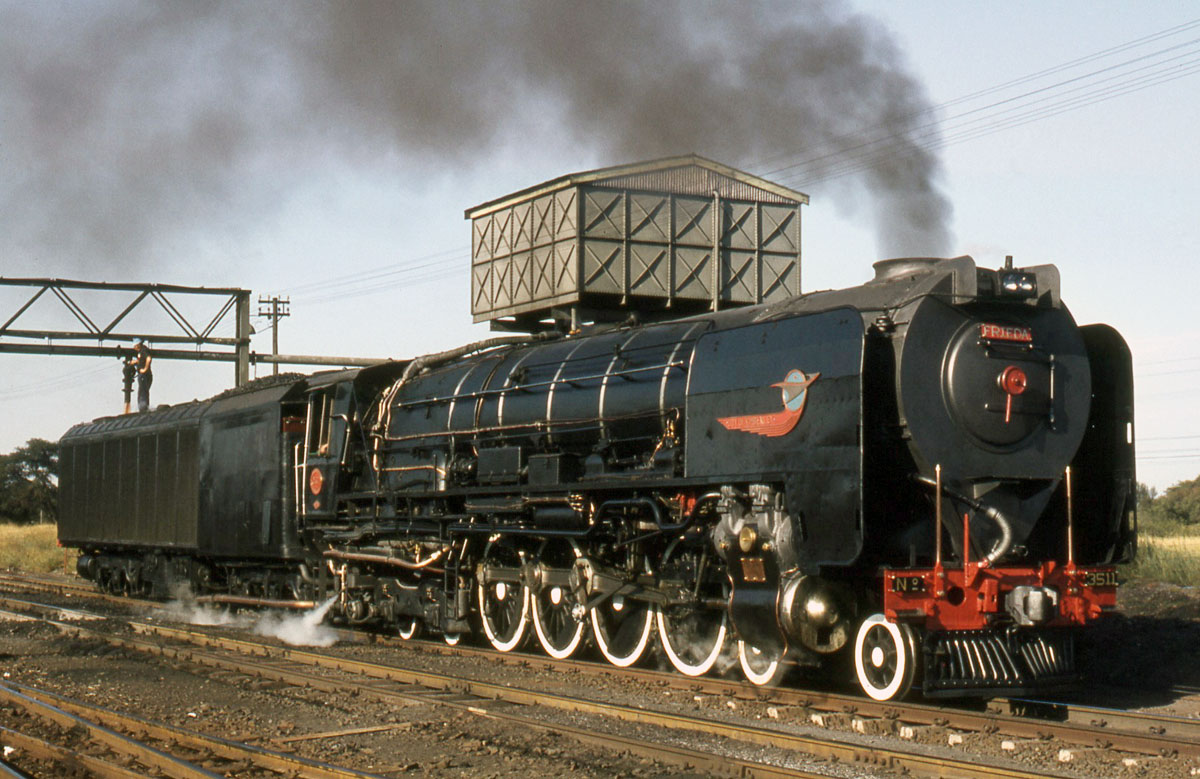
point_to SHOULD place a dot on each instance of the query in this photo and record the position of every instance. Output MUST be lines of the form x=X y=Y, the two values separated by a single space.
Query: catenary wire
x=1027 y=79
x=882 y=135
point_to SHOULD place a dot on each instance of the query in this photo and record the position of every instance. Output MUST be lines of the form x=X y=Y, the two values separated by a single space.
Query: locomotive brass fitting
x=746 y=538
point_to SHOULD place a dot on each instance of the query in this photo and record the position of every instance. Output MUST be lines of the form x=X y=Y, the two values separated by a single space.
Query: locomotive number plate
x=1100 y=579
x=908 y=584
x=753 y=570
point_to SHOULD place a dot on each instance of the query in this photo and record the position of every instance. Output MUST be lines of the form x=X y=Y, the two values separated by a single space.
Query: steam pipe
x=271 y=603
x=359 y=557
x=1006 y=535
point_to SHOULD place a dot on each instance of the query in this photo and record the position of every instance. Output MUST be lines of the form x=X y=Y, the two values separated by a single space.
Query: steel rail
x=145 y=754
x=11 y=584
x=915 y=762
x=234 y=751
x=1130 y=731
x=455 y=698
x=44 y=750
x=1087 y=726
x=493 y=701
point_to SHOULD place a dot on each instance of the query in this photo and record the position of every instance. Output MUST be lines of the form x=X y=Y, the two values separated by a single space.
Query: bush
x=1176 y=509
x=32 y=548
x=29 y=482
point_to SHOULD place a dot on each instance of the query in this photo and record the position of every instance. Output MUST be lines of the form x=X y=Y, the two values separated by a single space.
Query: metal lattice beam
x=17 y=340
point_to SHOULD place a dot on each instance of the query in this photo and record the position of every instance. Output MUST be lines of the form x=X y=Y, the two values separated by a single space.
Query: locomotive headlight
x=746 y=538
x=1021 y=285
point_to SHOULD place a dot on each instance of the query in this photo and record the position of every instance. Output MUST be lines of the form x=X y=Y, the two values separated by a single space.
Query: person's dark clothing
x=128 y=371
x=145 y=378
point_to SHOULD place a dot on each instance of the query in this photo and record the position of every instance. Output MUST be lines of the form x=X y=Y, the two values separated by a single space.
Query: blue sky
x=1105 y=189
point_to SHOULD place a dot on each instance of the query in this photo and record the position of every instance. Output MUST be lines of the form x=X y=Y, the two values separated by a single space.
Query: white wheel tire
x=452 y=639
x=557 y=653
x=640 y=648
x=902 y=677
x=408 y=630
x=681 y=665
x=664 y=635
x=763 y=678
x=512 y=643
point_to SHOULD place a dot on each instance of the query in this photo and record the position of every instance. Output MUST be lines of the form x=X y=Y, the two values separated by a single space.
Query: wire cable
x=1011 y=111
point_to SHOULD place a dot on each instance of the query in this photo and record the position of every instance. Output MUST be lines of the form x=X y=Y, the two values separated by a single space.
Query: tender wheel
x=558 y=631
x=885 y=658
x=409 y=628
x=763 y=668
x=691 y=635
x=503 y=604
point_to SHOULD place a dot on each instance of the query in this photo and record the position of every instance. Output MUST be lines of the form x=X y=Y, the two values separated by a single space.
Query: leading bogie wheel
x=885 y=658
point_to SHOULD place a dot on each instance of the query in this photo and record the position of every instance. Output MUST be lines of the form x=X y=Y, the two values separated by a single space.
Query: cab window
x=320 y=422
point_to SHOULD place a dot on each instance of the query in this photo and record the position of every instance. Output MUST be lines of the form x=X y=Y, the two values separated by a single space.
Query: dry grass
x=1173 y=559
x=31 y=548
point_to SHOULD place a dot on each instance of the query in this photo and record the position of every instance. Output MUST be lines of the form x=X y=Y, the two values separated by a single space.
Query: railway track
x=1017 y=718
x=108 y=743
x=1133 y=737
x=1132 y=731
x=299 y=667
x=337 y=676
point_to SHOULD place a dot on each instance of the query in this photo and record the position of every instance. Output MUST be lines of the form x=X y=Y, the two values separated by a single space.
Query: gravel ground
x=1137 y=657
x=1148 y=655
x=421 y=739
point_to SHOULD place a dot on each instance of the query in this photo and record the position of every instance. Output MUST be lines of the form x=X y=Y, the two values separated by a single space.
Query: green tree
x=1179 y=505
x=29 y=482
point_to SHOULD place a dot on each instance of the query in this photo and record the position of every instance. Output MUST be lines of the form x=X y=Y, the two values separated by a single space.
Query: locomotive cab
x=327 y=443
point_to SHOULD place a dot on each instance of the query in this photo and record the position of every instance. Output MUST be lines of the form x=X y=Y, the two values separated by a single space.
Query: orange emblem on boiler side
x=772 y=425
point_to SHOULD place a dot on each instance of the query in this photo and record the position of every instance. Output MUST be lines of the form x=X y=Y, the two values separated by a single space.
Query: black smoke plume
x=130 y=129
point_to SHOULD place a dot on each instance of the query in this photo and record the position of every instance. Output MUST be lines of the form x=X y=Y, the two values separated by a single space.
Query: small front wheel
x=885 y=658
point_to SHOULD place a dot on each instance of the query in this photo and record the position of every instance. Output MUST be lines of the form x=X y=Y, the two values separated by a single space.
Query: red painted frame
x=971 y=597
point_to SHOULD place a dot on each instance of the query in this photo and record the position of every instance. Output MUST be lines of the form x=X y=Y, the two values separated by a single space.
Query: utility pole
x=277 y=310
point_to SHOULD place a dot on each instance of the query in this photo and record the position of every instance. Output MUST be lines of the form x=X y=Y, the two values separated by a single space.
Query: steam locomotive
x=927 y=478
